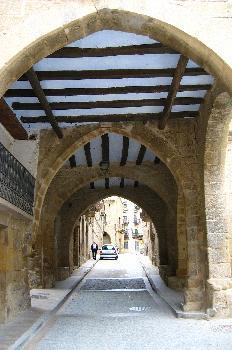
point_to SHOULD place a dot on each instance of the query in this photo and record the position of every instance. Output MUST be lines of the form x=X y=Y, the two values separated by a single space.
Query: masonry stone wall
x=228 y=191
x=15 y=241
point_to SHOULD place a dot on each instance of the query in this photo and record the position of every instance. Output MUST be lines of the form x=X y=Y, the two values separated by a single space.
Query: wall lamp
x=104 y=166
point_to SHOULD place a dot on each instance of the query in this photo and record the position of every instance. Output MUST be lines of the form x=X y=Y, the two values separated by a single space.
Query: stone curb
x=177 y=312
x=42 y=320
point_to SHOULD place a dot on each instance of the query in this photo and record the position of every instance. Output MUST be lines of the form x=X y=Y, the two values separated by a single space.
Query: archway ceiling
x=111 y=148
x=133 y=78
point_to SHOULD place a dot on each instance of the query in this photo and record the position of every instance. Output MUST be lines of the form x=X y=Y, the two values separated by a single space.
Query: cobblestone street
x=114 y=307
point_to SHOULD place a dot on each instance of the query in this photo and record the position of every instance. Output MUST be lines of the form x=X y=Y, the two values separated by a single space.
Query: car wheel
x=116 y=258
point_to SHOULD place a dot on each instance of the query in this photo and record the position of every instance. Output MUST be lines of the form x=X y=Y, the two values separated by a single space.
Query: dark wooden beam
x=113 y=74
x=156 y=160
x=75 y=52
x=72 y=161
x=35 y=84
x=141 y=155
x=104 y=91
x=10 y=122
x=108 y=104
x=92 y=186
x=88 y=154
x=106 y=154
x=142 y=117
x=136 y=184
x=105 y=148
x=179 y=73
x=125 y=149
x=122 y=182
x=107 y=183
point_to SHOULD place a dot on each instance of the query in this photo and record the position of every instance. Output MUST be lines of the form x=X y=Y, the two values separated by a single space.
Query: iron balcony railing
x=16 y=183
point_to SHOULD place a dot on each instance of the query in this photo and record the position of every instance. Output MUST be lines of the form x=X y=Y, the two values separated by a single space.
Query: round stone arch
x=87 y=21
x=56 y=152
x=62 y=188
x=144 y=197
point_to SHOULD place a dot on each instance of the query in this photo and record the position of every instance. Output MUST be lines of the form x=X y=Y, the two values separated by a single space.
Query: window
x=125 y=245
x=125 y=219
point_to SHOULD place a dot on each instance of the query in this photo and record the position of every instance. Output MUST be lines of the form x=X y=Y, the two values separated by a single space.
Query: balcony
x=137 y=235
x=16 y=183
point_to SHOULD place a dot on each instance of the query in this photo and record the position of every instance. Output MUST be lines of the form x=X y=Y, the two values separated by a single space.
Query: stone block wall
x=15 y=241
x=228 y=190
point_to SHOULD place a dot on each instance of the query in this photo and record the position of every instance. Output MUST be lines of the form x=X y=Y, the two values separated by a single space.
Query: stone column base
x=194 y=300
x=219 y=292
x=62 y=273
x=177 y=283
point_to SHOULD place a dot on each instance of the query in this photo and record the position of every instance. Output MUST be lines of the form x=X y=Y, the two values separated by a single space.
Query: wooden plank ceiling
x=91 y=81
x=112 y=148
x=137 y=79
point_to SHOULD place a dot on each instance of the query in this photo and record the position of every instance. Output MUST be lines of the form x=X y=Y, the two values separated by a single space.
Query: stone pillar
x=195 y=291
x=3 y=259
x=219 y=283
x=15 y=235
x=181 y=271
x=64 y=252
x=76 y=238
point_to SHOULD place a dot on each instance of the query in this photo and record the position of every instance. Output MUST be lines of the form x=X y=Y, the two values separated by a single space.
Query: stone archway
x=121 y=20
x=30 y=49
x=180 y=167
x=155 y=207
x=62 y=189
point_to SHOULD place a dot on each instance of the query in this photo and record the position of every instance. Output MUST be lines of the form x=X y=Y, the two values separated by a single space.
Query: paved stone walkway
x=125 y=318
x=114 y=307
x=43 y=302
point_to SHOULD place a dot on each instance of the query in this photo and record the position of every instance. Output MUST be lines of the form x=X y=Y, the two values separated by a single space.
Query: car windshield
x=108 y=247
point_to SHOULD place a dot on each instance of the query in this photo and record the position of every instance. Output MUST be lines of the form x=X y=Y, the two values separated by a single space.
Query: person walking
x=94 y=248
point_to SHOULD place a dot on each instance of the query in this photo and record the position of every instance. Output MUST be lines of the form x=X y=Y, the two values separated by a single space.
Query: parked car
x=108 y=251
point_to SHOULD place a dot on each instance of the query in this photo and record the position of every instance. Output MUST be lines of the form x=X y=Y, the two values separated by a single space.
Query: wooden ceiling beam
x=105 y=91
x=144 y=49
x=72 y=161
x=105 y=148
x=179 y=73
x=125 y=149
x=107 y=183
x=109 y=104
x=35 y=84
x=92 y=186
x=122 y=183
x=140 y=117
x=112 y=74
x=141 y=155
x=10 y=122
x=88 y=156
x=106 y=155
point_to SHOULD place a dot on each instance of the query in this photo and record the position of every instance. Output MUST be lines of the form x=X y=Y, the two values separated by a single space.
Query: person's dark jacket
x=93 y=248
